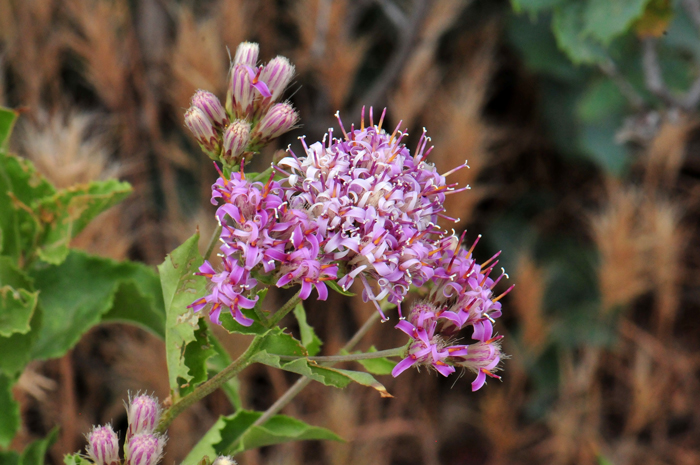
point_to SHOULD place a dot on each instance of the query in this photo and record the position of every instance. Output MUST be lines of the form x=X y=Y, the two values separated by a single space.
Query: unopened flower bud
x=280 y=119
x=103 y=446
x=247 y=54
x=224 y=460
x=211 y=106
x=143 y=413
x=277 y=74
x=236 y=137
x=144 y=449
x=203 y=129
x=240 y=96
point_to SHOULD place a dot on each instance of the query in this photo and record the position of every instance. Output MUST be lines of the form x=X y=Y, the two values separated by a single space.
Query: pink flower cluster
x=461 y=296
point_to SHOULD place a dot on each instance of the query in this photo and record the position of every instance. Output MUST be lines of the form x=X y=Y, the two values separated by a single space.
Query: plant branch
x=350 y=357
x=212 y=242
x=286 y=308
x=304 y=381
x=209 y=386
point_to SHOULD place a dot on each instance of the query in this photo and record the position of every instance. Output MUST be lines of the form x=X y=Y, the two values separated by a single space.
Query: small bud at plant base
x=224 y=460
x=144 y=449
x=277 y=74
x=143 y=413
x=240 y=96
x=247 y=54
x=236 y=137
x=281 y=118
x=103 y=446
x=203 y=129
x=211 y=106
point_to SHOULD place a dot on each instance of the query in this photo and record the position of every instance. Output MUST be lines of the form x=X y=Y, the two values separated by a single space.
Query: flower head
x=103 y=446
x=144 y=449
x=143 y=413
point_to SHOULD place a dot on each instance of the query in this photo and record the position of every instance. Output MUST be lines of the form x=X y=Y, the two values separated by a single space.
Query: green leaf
x=180 y=288
x=378 y=366
x=16 y=350
x=333 y=285
x=257 y=329
x=7 y=122
x=9 y=411
x=235 y=433
x=197 y=353
x=278 y=343
x=308 y=336
x=75 y=459
x=67 y=213
x=17 y=302
x=534 y=6
x=76 y=294
x=568 y=27
x=605 y=19
x=35 y=453
x=601 y=100
x=597 y=142
x=220 y=360
x=20 y=187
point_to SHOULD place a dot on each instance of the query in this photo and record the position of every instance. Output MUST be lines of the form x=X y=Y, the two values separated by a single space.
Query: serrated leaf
x=235 y=433
x=604 y=19
x=197 y=353
x=278 y=343
x=66 y=213
x=35 y=453
x=180 y=288
x=17 y=301
x=16 y=350
x=7 y=122
x=76 y=294
x=20 y=187
x=308 y=336
x=569 y=29
x=9 y=411
x=378 y=366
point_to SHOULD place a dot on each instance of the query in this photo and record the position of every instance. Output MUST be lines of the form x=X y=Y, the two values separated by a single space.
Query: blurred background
x=579 y=120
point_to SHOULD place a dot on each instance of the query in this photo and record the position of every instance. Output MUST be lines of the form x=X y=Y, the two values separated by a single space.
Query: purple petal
x=478 y=383
x=402 y=366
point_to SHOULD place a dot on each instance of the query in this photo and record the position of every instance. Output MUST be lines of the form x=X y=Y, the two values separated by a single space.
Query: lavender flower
x=103 y=446
x=280 y=119
x=277 y=74
x=203 y=130
x=247 y=54
x=211 y=106
x=236 y=137
x=144 y=449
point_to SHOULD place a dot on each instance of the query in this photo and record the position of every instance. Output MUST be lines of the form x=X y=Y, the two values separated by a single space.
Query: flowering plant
x=356 y=210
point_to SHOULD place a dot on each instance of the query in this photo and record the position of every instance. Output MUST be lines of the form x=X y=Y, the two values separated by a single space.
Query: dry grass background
x=104 y=84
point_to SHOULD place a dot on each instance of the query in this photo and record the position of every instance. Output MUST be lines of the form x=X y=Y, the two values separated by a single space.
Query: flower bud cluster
x=251 y=117
x=461 y=296
x=142 y=446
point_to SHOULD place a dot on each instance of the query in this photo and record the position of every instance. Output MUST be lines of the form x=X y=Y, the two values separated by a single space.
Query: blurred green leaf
x=378 y=366
x=75 y=459
x=568 y=25
x=597 y=143
x=534 y=6
x=308 y=336
x=180 y=288
x=35 y=453
x=605 y=19
x=17 y=302
x=235 y=433
x=601 y=99
x=67 y=212
x=7 y=121
x=9 y=412
x=9 y=457
x=20 y=187
x=76 y=294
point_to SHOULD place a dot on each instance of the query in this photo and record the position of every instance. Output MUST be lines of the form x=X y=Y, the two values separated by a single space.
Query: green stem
x=212 y=242
x=302 y=382
x=286 y=308
x=396 y=352
x=263 y=175
x=209 y=386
